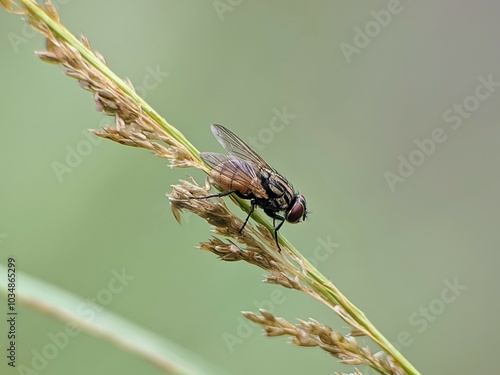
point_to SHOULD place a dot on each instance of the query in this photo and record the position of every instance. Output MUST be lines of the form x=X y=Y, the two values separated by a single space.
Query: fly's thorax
x=278 y=188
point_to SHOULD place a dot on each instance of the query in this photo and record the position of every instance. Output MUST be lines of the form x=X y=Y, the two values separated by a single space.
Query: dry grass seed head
x=132 y=126
x=247 y=245
x=312 y=333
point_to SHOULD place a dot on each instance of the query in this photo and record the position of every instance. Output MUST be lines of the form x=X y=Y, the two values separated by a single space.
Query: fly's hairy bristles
x=311 y=333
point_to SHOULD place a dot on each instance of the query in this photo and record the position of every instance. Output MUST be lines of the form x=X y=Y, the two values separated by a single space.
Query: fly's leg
x=276 y=227
x=252 y=208
x=218 y=195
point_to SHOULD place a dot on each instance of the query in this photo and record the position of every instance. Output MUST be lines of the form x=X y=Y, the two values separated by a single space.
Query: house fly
x=243 y=172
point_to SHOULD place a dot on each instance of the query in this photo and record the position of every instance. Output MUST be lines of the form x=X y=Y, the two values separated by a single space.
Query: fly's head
x=296 y=210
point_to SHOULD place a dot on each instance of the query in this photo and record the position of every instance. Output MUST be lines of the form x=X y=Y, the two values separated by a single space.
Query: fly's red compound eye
x=297 y=211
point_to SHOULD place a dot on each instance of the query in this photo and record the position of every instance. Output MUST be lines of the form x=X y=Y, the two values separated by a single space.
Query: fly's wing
x=232 y=167
x=235 y=146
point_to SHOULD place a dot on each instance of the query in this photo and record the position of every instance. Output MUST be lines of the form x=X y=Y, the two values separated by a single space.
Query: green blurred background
x=398 y=246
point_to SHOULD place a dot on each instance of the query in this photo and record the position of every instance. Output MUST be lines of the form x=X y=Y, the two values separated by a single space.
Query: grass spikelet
x=311 y=333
